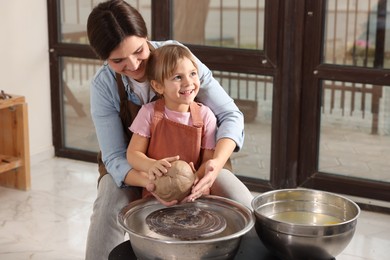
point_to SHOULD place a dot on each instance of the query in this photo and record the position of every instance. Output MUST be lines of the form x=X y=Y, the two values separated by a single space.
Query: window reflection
x=232 y=23
x=357 y=33
x=355 y=130
x=74 y=15
x=253 y=96
x=78 y=126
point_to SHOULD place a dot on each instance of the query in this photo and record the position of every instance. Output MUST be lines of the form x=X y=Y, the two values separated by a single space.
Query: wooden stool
x=14 y=143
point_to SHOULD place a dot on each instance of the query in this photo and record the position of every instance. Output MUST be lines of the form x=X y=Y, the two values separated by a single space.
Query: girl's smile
x=186 y=92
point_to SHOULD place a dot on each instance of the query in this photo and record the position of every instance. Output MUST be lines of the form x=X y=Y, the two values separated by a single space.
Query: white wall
x=24 y=67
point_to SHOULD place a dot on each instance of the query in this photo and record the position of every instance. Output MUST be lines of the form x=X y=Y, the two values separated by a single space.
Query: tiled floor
x=51 y=220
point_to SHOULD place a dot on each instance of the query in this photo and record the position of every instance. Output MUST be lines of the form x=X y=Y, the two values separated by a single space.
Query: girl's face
x=180 y=89
x=130 y=58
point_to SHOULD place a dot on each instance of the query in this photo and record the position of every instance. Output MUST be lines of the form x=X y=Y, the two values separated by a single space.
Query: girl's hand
x=160 y=167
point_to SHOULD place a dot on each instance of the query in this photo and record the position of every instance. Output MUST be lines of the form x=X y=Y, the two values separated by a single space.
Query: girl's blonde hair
x=163 y=61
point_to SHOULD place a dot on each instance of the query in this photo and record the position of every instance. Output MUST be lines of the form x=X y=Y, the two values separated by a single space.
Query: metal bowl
x=148 y=244
x=305 y=224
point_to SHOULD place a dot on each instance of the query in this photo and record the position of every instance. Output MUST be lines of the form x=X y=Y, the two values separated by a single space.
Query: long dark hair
x=110 y=23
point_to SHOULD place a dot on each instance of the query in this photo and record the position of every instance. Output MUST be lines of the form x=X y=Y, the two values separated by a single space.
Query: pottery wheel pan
x=189 y=223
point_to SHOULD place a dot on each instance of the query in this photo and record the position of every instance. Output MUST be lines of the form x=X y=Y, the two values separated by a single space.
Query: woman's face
x=130 y=58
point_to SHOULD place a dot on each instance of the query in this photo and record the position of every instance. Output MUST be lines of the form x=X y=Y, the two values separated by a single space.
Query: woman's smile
x=138 y=73
x=130 y=57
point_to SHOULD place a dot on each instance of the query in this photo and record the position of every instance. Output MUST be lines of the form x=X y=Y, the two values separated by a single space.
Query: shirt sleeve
x=230 y=120
x=142 y=122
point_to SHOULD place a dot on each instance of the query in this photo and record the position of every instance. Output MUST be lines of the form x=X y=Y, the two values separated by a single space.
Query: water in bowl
x=305 y=218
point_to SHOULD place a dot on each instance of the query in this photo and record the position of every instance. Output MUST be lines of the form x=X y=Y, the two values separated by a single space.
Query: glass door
x=233 y=33
x=311 y=77
x=73 y=65
x=346 y=98
x=228 y=36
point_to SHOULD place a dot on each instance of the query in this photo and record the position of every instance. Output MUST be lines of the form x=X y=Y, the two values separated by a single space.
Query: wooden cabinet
x=14 y=143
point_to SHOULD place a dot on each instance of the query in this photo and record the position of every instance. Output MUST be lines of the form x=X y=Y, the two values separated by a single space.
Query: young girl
x=174 y=126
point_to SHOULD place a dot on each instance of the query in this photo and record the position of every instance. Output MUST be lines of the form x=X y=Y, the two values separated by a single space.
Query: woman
x=118 y=35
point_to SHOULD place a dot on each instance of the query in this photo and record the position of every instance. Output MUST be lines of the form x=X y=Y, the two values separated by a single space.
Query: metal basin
x=148 y=244
x=305 y=224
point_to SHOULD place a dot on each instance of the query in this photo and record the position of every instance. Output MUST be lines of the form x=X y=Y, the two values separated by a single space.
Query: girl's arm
x=143 y=165
x=137 y=178
x=136 y=153
x=136 y=156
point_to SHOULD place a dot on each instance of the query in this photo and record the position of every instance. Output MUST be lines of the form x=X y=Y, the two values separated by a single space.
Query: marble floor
x=51 y=220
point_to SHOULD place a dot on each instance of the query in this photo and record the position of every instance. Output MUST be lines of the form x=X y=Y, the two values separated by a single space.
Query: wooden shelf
x=14 y=144
x=8 y=163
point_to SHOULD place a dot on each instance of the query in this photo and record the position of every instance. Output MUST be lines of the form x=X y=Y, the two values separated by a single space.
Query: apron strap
x=195 y=114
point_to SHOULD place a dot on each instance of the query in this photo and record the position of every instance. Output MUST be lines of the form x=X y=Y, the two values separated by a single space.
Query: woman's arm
x=214 y=159
x=207 y=155
x=230 y=119
x=109 y=130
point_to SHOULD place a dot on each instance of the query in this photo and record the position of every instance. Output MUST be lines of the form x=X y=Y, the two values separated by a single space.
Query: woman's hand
x=202 y=186
x=165 y=203
x=151 y=187
x=212 y=167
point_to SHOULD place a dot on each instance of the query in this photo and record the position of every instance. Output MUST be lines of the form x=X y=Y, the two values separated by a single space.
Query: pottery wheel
x=189 y=223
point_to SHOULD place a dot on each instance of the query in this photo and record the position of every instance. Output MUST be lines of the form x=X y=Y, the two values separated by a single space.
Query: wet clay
x=186 y=223
x=176 y=184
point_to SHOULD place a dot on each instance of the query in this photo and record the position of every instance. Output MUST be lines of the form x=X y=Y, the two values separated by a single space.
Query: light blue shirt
x=105 y=107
